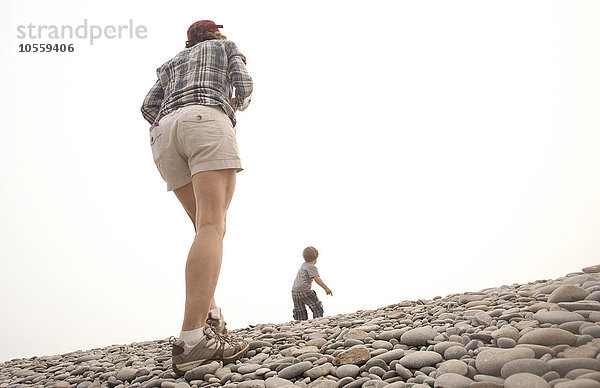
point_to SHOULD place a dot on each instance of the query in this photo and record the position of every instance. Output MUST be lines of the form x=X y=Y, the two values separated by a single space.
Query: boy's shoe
x=217 y=321
x=212 y=347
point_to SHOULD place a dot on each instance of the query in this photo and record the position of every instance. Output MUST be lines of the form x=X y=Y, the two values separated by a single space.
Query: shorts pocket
x=154 y=135
x=198 y=117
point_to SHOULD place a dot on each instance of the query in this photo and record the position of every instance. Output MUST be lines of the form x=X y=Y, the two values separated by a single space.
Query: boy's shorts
x=306 y=298
x=193 y=139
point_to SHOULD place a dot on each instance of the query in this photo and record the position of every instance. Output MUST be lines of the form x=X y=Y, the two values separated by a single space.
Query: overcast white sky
x=425 y=148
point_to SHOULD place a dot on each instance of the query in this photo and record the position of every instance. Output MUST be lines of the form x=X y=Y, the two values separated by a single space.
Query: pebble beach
x=545 y=333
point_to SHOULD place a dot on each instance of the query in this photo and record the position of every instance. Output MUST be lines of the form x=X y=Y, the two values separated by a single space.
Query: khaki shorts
x=193 y=139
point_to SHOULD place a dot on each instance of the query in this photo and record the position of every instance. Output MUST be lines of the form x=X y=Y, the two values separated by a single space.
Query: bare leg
x=186 y=197
x=212 y=191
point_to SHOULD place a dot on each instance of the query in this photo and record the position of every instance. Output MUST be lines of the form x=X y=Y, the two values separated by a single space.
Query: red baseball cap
x=202 y=25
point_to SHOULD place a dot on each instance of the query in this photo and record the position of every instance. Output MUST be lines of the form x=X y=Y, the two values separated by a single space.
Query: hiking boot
x=212 y=347
x=217 y=321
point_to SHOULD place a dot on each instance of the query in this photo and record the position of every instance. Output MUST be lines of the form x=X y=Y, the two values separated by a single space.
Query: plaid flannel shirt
x=204 y=74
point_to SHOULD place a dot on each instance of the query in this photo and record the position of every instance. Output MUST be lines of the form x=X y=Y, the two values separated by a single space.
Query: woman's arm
x=152 y=102
x=240 y=79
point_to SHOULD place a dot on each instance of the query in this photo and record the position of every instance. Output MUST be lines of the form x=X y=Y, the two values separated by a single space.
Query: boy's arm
x=322 y=284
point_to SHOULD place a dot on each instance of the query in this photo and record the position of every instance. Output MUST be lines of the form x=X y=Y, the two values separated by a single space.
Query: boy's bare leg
x=212 y=191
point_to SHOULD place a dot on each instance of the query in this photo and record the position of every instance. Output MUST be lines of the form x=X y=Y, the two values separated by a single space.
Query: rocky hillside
x=541 y=334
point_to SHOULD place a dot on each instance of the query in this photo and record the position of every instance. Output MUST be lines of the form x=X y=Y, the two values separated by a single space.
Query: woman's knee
x=211 y=227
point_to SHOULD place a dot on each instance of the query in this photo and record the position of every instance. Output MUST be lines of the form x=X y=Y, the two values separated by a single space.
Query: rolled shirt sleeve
x=152 y=102
x=240 y=79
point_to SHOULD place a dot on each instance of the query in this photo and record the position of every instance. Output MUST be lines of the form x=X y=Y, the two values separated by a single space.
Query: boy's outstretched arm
x=322 y=284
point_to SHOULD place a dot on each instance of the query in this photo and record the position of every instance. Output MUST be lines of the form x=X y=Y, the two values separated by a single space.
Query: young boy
x=302 y=294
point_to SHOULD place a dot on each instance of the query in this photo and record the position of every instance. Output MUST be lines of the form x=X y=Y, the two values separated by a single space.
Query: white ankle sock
x=215 y=313
x=192 y=337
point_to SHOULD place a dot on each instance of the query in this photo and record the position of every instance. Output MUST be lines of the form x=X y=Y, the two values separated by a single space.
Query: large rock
x=568 y=293
x=491 y=361
x=565 y=365
x=403 y=372
x=483 y=318
x=452 y=380
x=593 y=330
x=530 y=365
x=453 y=366
x=594 y=317
x=467 y=298
x=318 y=371
x=506 y=331
x=294 y=370
x=525 y=380
x=581 y=305
x=368 y=327
x=381 y=344
x=320 y=384
x=417 y=360
x=376 y=362
x=258 y=344
x=579 y=383
x=318 y=342
x=248 y=368
x=441 y=347
x=547 y=289
x=504 y=342
x=539 y=350
x=252 y=384
x=126 y=374
x=390 y=356
x=349 y=370
x=577 y=279
x=389 y=334
x=275 y=382
x=222 y=372
x=557 y=317
x=303 y=350
x=526 y=323
x=357 y=354
x=592 y=269
x=370 y=384
x=489 y=379
x=534 y=308
x=590 y=375
x=583 y=351
x=549 y=337
x=455 y=352
x=199 y=372
x=418 y=336
x=356 y=334
x=486 y=384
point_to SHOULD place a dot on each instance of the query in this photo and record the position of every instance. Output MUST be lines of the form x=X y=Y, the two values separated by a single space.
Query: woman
x=192 y=111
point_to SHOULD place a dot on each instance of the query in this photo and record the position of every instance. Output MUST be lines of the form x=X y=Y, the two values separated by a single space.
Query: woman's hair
x=310 y=254
x=201 y=36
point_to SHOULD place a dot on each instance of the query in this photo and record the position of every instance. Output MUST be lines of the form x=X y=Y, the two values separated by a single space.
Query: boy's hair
x=310 y=254
x=201 y=36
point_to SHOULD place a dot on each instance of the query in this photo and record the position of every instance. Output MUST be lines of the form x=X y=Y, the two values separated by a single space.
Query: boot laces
x=212 y=333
